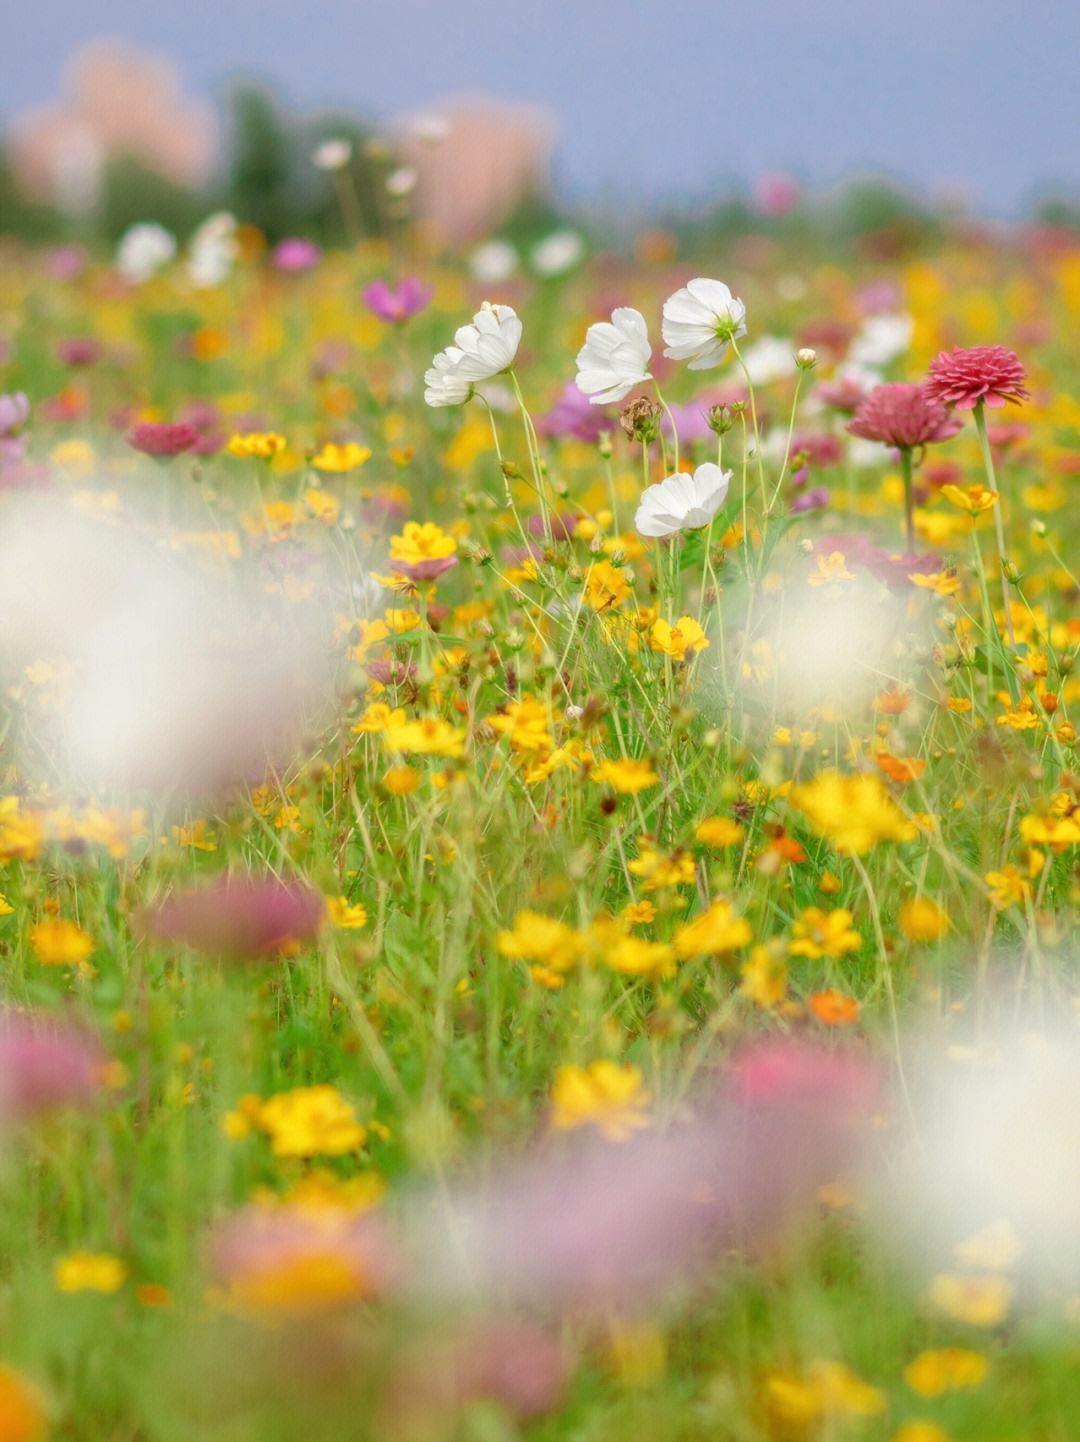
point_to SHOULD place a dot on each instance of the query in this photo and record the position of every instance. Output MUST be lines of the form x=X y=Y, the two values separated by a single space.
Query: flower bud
x=720 y=418
x=806 y=358
x=641 y=420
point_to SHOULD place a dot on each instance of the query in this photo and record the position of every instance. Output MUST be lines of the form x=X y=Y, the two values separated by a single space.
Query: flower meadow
x=538 y=843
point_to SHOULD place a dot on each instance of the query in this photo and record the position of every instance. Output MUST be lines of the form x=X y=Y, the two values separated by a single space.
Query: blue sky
x=654 y=97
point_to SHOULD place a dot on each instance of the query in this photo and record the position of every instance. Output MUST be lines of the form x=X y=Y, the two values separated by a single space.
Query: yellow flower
x=973 y=499
x=538 y=938
x=719 y=831
x=418 y=543
x=259 y=445
x=196 y=835
x=346 y=916
x=89 y=1272
x=764 y=978
x=21 y=832
x=1007 y=887
x=627 y=776
x=635 y=956
x=402 y=780
x=311 y=1122
x=658 y=870
x=6 y=908
x=379 y=718
x=853 y=812
x=715 y=931
x=942 y=583
x=980 y=1301
x=427 y=736
x=58 y=942
x=819 y=933
x=921 y=1431
x=682 y=641
x=323 y=506
x=1055 y=831
x=829 y=1389
x=932 y=1374
x=339 y=459
x=922 y=919
x=603 y=1094
x=22 y=1411
x=605 y=586
x=830 y=568
x=527 y=723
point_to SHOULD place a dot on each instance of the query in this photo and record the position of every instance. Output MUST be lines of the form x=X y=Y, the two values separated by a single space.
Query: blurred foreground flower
x=44 y=1065
x=239 y=916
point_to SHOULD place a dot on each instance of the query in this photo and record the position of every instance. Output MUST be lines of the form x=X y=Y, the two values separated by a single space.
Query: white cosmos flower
x=493 y=262
x=333 y=154
x=699 y=322
x=480 y=350
x=881 y=339
x=443 y=386
x=769 y=359
x=213 y=251
x=557 y=253
x=615 y=357
x=682 y=502
x=143 y=249
x=489 y=344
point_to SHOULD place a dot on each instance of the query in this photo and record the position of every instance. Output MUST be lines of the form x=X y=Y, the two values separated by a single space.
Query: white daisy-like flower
x=881 y=339
x=481 y=350
x=615 y=357
x=700 y=321
x=143 y=250
x=682 y=502
x=769 y=359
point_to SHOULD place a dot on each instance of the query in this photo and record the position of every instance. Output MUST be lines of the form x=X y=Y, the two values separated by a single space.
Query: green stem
x=999 y=525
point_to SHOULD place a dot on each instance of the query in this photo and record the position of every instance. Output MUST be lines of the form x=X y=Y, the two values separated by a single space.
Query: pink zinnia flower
x=988 y=373
x=397 y=305
x=238 y=916
x=903 y=416
x=160 y=438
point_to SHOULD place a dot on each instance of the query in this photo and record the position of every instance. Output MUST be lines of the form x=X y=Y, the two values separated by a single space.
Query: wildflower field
x=537 y=898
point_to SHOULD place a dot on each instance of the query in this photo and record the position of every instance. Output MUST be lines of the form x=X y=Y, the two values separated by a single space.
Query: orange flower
x=833 y=1008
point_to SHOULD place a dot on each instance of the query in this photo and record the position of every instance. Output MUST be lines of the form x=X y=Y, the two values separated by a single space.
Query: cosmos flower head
x=238 y=916
x=187 y=674
x=481 y=350
x=700 y=321
x=682 y=502
x=904 y=416
x=296 y=255
x=615 y=357
x=143 y=250
x=45 y=1065
x=987 y=374
x=397 y=304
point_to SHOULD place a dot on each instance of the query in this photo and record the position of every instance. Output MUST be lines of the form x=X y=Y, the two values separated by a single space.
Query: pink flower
x=79 y=351
x=159 y=438
x=14 y=412
x=44 y=1066
x=296 y=254
x=988 y=373
x=396 y=306
x=903 y=416
x=238 y=916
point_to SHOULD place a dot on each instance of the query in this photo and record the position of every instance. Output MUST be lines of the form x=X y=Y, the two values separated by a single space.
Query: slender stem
x=671 y=422
x=909 y=504
x=999 y=525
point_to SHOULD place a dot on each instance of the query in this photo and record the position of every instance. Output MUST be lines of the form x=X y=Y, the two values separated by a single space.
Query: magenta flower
x=573 y=414
x=44 y=1066
x=815 y=499
x=903 y=416
x=962 y=377
x=296 y=254
x=238 y=916
x=397 y=305
x=162 y=439
x=79 y=351
x=14 y=413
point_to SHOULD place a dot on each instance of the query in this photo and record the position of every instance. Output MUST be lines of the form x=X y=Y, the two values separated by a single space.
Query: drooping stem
x=671 y=423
